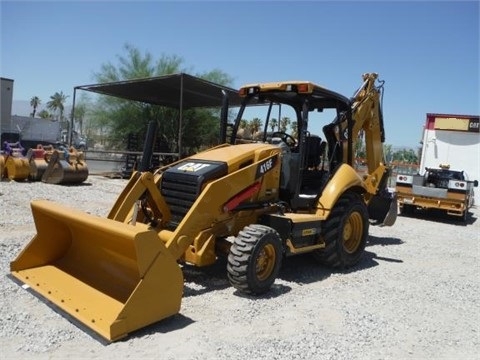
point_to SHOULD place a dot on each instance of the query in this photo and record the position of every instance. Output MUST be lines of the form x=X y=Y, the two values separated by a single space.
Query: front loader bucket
x=112 y=277
x=65 y=167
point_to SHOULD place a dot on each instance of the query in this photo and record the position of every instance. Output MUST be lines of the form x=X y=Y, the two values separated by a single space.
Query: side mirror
x=475 y=183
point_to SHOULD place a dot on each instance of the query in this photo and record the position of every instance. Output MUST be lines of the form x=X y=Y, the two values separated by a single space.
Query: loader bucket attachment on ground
x=2 y=166
x=112 y=277
x=17 y=168
x=65 y=167
x=38 y=164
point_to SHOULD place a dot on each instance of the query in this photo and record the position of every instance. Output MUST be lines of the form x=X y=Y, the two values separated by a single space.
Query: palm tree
x=57 y=102
x=273 y=124
x=79 y=115
x=255 y=125
x=34 y=102
x=244 y=129
x=256 y=128
x=284 y=122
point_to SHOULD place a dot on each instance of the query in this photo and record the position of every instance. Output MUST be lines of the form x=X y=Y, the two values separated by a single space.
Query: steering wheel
x=286 y=138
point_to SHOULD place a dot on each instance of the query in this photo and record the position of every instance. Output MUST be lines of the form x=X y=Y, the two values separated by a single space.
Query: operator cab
x=291 y=115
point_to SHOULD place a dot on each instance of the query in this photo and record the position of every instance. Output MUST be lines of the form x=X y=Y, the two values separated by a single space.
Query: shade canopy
x=174 y=91
x=179 y=91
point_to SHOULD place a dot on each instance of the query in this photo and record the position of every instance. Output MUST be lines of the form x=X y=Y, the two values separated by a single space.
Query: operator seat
x=313 y=149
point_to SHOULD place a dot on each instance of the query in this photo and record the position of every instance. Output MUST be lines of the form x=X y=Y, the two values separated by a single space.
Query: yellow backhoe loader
x=255 y=201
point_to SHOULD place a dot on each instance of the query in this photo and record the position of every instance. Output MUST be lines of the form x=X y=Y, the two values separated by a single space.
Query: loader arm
x=141 y=187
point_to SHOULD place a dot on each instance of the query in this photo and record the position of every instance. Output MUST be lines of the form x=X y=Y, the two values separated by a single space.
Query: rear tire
x=254 y=260
x=345 y=233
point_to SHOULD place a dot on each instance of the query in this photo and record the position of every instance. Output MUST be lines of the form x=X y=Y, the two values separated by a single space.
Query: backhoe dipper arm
x=367 y=117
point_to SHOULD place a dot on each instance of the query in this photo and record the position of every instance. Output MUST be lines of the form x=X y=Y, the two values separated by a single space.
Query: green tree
x=273 y=124
x=284 y=122
x=123 y=117
x=44 y=114
x=406 y=156
x=360 y=145
x=243 y=124
x=80 y=112
x=34 y=103
x=255 y=125
x=57 y=104
x=294 y=128
x=387 y=153
x=244 y=129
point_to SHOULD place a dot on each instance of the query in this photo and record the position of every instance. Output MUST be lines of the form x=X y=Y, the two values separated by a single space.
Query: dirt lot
x=415 y=295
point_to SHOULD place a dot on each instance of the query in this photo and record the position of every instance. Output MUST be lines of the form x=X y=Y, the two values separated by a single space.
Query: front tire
x=345 y=233
x=254 y=260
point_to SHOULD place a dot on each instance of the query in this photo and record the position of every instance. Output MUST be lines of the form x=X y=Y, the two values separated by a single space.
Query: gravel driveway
x=415 y=295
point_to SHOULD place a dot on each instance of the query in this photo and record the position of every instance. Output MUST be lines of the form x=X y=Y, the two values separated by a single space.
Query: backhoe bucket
x=38 y=164
x=65 y=167
x=382 y=208
x=2 y=166
x=112 y=277
x=17 y=168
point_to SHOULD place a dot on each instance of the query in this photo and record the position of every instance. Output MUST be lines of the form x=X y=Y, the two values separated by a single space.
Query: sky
x=427 y=52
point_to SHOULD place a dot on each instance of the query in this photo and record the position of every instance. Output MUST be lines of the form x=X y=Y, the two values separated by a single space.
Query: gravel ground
x=415 y=295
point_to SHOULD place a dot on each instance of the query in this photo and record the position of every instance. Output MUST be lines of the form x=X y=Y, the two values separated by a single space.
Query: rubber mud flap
x=112 y=277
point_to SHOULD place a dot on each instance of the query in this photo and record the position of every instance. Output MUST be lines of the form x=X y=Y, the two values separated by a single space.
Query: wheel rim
x=265 y=262
x=352 y=232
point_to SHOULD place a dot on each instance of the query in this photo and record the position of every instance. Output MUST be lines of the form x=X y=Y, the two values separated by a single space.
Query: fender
x=345 y=178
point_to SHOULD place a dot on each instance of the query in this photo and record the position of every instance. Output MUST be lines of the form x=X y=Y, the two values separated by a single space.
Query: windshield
x=259 y=122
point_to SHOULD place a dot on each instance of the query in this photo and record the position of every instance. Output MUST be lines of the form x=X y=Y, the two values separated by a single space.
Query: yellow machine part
x=38 y=164
x=2 y=166
x=37 y=169
x=112 y=277
x=17 y=168
x=65 y=168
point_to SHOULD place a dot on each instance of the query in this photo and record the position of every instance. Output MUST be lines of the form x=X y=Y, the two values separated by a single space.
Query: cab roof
x=286 y=92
